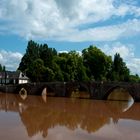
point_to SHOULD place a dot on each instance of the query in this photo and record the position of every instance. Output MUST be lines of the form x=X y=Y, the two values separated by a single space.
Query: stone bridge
x=103 y=90
x=93 y=90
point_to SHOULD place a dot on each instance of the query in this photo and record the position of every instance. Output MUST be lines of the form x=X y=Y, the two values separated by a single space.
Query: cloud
x=61 y=19
x=10 y=59
x=105 y=33
x=134 y=65
x=126 y=52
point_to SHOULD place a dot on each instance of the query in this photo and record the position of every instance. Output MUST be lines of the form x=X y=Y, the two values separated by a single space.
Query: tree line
x=44 y=64
x=2 y=68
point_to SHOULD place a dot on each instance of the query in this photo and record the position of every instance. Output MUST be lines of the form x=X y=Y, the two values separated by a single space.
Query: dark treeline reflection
x=38 y=115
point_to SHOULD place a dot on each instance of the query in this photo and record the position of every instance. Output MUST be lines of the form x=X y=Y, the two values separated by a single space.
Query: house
x=13 y=77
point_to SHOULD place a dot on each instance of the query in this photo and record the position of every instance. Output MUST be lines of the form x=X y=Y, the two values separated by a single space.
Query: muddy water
x=39 y=118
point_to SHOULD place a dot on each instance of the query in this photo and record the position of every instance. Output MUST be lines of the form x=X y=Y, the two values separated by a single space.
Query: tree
x=58 y=74
x=134 y=78
x=49 y=75
x=81 y=71
x=72 y=65
x=47 y=54
x=42 y=64
x=120 y=72
x=98 y=64
x=32 y=53
x=37 y=71
x=0 y=67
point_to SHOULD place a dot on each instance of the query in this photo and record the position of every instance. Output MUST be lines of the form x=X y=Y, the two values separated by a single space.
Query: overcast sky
x=111 y=25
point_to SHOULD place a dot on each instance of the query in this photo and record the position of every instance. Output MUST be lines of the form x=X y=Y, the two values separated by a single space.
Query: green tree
x=81 y=71
x=37 y=71
x=47 y=54
x=61 y=61
x=49 y=75
x=58 y=74
x=120 y=72
x=41 y=64
x=98 y=64
x=1 y=68
x=73 y=67
x=134 y=78
x=32 y=53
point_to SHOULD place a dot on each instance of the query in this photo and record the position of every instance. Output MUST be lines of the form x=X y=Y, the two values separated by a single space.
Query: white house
x=13 y=77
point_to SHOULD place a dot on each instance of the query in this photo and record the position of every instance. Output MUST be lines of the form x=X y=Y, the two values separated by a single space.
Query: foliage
x=134 y=78
x=37 y=70
x=2 y=68
x=120 y=72
x=42 y=64
x=97 y=63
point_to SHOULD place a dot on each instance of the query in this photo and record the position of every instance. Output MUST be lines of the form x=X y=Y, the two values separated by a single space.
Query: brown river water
x=55 y=118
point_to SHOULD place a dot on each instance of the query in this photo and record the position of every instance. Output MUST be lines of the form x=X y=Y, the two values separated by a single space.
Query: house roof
x=23 y=76
x=13 y=75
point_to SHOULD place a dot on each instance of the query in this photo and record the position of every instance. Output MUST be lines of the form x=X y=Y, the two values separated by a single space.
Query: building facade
x=13 y=77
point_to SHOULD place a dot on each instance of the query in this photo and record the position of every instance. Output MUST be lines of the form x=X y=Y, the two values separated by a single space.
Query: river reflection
x=66 y=118
x=121 y=100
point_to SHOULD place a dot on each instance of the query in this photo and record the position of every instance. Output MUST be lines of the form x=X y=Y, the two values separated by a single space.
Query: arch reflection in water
x=44 y=94
x=121 y=99
x=23 y=93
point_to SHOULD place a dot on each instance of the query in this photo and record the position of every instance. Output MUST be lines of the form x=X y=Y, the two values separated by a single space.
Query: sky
x=111 y=25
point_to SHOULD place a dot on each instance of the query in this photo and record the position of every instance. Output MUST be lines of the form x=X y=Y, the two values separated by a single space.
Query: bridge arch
x=122 y=89
x=78 y=90
x=49 y=89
